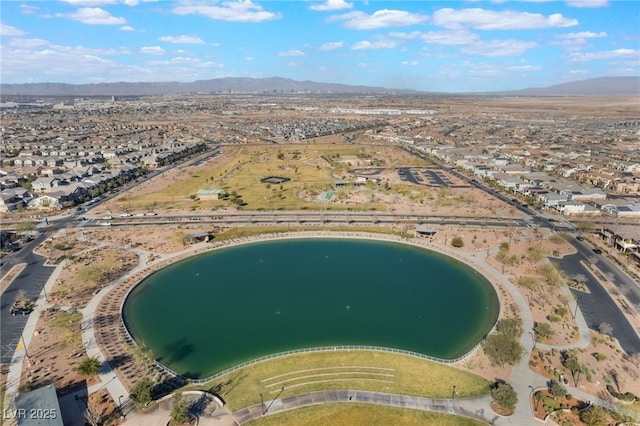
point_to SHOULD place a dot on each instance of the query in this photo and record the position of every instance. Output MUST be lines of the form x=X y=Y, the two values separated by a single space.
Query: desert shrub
x=457 y=242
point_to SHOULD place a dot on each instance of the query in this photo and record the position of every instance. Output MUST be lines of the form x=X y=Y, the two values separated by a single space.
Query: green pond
x=219 y=309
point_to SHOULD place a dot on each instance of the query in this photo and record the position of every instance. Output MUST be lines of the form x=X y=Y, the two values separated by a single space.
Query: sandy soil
x=54 y=360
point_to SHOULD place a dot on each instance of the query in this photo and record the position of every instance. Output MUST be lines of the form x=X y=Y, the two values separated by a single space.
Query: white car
x=107 y=217
x=124 y=215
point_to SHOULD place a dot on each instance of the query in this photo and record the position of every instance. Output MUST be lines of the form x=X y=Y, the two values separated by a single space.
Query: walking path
x=523 y=379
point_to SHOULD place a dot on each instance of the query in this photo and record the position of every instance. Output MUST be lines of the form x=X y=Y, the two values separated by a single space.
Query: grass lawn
x=311 y=168
x=248 y=231
x=361 y=414
x=395 y=373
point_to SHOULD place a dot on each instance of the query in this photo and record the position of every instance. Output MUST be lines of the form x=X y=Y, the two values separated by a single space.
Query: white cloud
x=331 y=45
x=497 y=48
x=8 y=30
x=331 y=5
x=127 y=28
x=94 y=16
x=582 y=35
x=579 y=72
x=587 y=3
x=248 y=58
x=105 y=2
x=378 y=44
x=240 y=11
x=28 y=43
x=380 y=19
x=182 y=39
x=410 y=63
x=40 y=60
x=292 y=52
x=90 y=2
x=28 y=9
x=606 y=54
x=483 y=19
x=293 y=64
x=182 y=60
x=523 y=68
x=152 y=50
x=576 y=41
x=405 y=36
x=451 y=38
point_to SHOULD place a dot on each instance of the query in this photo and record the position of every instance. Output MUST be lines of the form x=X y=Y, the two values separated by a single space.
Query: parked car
x=597 y=251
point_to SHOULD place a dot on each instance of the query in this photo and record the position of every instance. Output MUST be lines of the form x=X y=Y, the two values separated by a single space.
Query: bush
x=557 y=390
x=553 y=318
x=504 y=395
x=89 y=367
x=457 y=242
x=141 y=392
x=179 y=411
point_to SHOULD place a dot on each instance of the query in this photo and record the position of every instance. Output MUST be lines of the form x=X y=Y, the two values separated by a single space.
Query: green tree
x=504 y=395
x=89 y=367
x=552 y=275
x=535 y=253
x=457 y=242
x=141 y=392
x=511 y=327
x=557 y=389
x=574 y=365
x=543 y=331
x=143 y=356
x=503 y=349
x=180 y=410
x=594 y=416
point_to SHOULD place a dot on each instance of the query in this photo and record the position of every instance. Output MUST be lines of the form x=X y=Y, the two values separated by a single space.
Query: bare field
x=312 y=171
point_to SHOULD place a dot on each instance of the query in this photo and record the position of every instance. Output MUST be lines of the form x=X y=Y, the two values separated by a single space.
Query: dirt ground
x=98 y=256
x=458 y=198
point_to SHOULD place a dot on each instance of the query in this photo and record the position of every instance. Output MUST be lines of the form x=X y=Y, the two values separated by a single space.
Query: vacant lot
x=312 y=171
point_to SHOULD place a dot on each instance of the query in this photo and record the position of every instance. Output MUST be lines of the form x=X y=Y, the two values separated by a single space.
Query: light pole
x=533 y=338
x=272 y=401
x=120 y=406
x=453 y=397
x=25 y=346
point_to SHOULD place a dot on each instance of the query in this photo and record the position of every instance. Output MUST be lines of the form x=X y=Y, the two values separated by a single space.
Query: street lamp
x=453 y=396
x=120 y=406
x=533 y=338
x=272 y=401
x=25 y=346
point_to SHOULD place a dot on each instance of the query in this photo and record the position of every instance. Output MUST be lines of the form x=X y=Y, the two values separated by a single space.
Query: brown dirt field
x=55 y=351
x=87 y=272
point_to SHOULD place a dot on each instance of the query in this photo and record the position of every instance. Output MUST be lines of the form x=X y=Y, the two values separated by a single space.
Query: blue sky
x=441 y=46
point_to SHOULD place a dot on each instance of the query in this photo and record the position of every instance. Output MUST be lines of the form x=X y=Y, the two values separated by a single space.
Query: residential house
x=44 y=184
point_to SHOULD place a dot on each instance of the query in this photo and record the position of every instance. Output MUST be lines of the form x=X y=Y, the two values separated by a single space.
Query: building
x=208 y=194
x=38 y=407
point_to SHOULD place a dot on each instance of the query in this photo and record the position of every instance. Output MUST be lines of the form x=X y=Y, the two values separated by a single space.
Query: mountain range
x=277 y=85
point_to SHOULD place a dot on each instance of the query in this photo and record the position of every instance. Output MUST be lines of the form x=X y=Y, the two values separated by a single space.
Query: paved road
x=469 y=407
x=597 y=306
x=30 y=281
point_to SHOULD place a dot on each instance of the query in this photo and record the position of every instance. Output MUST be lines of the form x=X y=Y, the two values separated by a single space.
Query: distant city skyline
x=467 y=46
